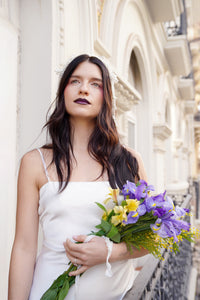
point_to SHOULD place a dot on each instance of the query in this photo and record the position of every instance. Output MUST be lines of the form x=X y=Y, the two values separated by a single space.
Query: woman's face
x=84 y=92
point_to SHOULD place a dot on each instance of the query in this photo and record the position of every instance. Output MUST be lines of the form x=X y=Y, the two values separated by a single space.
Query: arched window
x=134 y=76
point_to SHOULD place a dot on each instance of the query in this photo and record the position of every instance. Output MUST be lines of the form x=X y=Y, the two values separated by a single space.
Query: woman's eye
x=96 y=84
x=74 y=81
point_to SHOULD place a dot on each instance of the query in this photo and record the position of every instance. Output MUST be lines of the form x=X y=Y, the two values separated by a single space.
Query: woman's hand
x=87 y=254
x=95 y=252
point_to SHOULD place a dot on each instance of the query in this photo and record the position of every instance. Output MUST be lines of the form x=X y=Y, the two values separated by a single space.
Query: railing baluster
x=168 y=278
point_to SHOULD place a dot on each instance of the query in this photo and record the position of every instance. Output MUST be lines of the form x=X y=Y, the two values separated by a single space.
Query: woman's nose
x=83 y=89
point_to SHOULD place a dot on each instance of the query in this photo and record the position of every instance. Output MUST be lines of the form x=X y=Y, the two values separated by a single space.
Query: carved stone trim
x=161 y=131
x=126 y=95
x=61 y=33
x=100 y=6
x=197 y=134
x=177 y=143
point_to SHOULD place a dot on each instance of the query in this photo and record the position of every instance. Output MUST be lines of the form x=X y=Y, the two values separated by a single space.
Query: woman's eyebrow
x=92 y=78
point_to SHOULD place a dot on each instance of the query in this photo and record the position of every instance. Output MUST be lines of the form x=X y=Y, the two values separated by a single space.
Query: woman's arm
x=142 y=172
x=95 y=252
x=25 y=244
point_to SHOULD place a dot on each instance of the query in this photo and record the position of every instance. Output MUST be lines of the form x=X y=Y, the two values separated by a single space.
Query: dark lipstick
x=82 y=101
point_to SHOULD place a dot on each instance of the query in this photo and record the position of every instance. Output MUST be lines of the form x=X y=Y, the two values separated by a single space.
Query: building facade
x=146 y=43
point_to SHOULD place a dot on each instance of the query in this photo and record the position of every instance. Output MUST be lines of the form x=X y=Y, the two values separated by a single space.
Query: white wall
x=35 y=71
x=8 y=109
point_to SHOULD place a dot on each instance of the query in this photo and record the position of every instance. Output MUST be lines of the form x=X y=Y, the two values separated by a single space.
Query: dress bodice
x=71 y=212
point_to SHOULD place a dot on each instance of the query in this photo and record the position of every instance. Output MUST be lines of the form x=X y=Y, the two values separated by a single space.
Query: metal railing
x=179 y=26
x=165 y=279
x=196 y=184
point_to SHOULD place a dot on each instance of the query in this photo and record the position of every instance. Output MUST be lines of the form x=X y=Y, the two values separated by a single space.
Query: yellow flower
x=112 y=195
x=132 y=204
x=104 y=217
x=120 y=216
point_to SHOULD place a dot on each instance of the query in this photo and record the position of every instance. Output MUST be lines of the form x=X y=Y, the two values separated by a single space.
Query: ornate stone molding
x=197 y=133
x=161 y=131
x=61 y=33
x=177 y=143
x=126 y=95
x=100 y=5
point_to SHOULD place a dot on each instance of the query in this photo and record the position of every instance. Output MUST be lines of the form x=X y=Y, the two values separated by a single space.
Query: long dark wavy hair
x=103 y=146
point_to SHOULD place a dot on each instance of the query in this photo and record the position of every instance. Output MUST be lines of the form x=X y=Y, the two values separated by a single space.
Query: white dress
x=69 y=213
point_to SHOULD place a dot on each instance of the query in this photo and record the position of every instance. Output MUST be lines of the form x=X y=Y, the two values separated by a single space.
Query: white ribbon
x=109 y=245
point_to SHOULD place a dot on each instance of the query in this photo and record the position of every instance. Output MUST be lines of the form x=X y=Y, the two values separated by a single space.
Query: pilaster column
x=161 y=132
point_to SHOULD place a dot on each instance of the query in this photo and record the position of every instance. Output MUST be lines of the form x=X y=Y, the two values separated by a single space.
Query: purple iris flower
x=129 y=189
x=165 y=210
x=147 y=187
x=140 y=192
x=141 y=209
x=180 y=212
x=168 y=226
x=159 y=199
x=143 y=189
x=132 y=218
x=153 y=202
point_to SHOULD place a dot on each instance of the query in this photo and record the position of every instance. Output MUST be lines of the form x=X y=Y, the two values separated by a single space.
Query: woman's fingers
x=86 y=254
x=79 y=238
x=79 y=271
x=72 y=249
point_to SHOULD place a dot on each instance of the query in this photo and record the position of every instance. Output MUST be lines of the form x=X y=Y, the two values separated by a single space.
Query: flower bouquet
x=138 y=219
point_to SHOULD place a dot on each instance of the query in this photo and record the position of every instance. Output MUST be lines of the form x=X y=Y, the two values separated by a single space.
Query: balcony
x=171 y=278
x=186 y=88
x=162 y=11
x=178 y=55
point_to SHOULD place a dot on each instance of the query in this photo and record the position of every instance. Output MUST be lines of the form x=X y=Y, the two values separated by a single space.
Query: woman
x=59 y=185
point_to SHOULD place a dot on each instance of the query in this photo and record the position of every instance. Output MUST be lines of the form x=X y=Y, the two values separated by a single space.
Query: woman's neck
x=81 y=131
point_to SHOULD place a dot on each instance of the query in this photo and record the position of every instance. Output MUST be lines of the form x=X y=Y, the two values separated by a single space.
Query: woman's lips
x=82 y=101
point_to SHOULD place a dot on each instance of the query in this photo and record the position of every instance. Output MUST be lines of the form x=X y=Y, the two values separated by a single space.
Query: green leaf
x=64 y=290
x=116 y=238
x=49 y=294
x=98 y=226
x=105 y=226
x=99 y=233
x=101 y=206
x=110 y=215
x=113 y=231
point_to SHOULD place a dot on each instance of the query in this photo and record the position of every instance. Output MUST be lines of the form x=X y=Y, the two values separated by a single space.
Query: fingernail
x=75 y=236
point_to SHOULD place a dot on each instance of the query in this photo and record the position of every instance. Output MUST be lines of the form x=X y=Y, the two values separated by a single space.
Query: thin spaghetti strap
x=44 y=164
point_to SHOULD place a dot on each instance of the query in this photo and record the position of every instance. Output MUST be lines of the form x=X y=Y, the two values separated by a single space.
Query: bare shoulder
x=32 y=168
x=137 y=155
x=31 y=160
